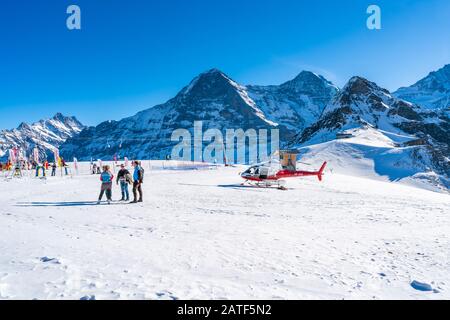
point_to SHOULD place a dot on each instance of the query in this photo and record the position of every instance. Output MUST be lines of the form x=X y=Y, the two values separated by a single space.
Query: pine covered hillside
x=366 y=127
x=217 y=100
x=432 y=92
x=45 y=134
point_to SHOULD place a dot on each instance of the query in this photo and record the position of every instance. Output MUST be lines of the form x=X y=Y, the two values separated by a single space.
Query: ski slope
x=200 y=235
x=377 y=154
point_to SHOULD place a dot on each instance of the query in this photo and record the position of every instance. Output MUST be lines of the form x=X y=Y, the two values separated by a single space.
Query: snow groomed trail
x=200 y=235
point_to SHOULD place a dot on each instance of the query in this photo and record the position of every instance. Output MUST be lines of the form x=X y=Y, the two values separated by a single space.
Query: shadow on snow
x=61 y=204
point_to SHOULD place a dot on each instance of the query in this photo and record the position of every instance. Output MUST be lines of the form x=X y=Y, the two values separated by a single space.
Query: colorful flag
x=56 y=157
x=12 y=156
x=36 y=155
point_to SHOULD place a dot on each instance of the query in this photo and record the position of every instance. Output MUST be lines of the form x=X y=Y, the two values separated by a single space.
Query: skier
x=124 y=177
x=106 y=178
x=53 y=169
x=138 y=177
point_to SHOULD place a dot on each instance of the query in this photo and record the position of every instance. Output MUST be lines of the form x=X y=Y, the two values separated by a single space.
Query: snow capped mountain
x=45 y=134
x=362 y=119
x=399 y=138
x=216 y=100
x=432 y=92
x=295 y=104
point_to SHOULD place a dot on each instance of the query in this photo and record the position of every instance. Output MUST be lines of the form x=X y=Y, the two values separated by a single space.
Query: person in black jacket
x=138 y=177
x=53 y=169
x=124 y=178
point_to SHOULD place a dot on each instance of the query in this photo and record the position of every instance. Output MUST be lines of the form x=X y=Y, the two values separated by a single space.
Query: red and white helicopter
x=273 y=172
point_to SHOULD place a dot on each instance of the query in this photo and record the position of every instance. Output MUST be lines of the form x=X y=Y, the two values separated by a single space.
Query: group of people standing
x=45 y=166
x=124 y=178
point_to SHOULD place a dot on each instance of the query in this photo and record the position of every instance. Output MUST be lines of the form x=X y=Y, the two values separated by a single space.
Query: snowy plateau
x=201 y=235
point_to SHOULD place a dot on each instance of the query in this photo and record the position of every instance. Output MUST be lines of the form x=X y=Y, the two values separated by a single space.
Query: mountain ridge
x=213 y=98
x=45 y=134
x=432 y=92
x=419 y=137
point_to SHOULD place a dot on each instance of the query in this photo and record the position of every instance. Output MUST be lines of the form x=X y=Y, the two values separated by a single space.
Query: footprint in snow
x=88 y=298
x=49 y=260
x=168 y=294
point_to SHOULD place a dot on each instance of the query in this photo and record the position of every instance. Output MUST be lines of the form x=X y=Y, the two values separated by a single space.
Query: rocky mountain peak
x=59 y=116
x=210 y=83
x=360 y=86
x=23 y=126
x=309 y=82
x=431 y=92
x=46 y=134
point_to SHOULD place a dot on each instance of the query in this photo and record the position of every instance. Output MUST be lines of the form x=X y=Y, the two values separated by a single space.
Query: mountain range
x=46 y=135
x=432 y=92
x=366 y=126
x=402 y=135
x=216 y=100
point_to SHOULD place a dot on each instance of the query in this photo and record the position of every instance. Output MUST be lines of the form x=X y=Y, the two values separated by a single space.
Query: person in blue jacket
x=107 y=179
x=138 y=177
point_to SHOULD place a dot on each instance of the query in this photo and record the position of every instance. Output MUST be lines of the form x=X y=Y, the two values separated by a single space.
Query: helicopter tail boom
x=320 y=173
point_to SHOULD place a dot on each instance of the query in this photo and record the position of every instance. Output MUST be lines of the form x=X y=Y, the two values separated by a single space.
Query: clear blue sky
x=131 y=55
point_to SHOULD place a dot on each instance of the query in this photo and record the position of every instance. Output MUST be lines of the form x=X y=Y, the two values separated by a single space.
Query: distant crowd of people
x=40 y=168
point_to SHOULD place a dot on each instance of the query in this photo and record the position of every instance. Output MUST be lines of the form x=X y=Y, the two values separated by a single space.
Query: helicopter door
x=264 y=172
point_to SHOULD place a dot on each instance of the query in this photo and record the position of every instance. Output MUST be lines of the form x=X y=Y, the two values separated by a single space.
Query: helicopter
x=273 y=172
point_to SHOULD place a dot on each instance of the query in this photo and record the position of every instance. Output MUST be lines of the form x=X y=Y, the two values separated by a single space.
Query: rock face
x=216 y=100
x=432 y=92
x=295 y=104
x=45 y=134
x=362 y=105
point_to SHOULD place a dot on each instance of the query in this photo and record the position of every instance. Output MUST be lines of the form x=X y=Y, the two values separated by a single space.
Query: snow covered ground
x=376 y=154
x=200 y=235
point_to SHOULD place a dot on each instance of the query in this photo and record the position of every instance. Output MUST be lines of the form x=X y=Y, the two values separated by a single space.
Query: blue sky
x=131 y=55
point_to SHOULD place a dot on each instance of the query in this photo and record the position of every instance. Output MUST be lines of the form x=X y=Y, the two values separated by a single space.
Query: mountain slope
x=409 y=139
x=45 y=134
x=432 y=92
x=295 y=104
x=216 y=100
